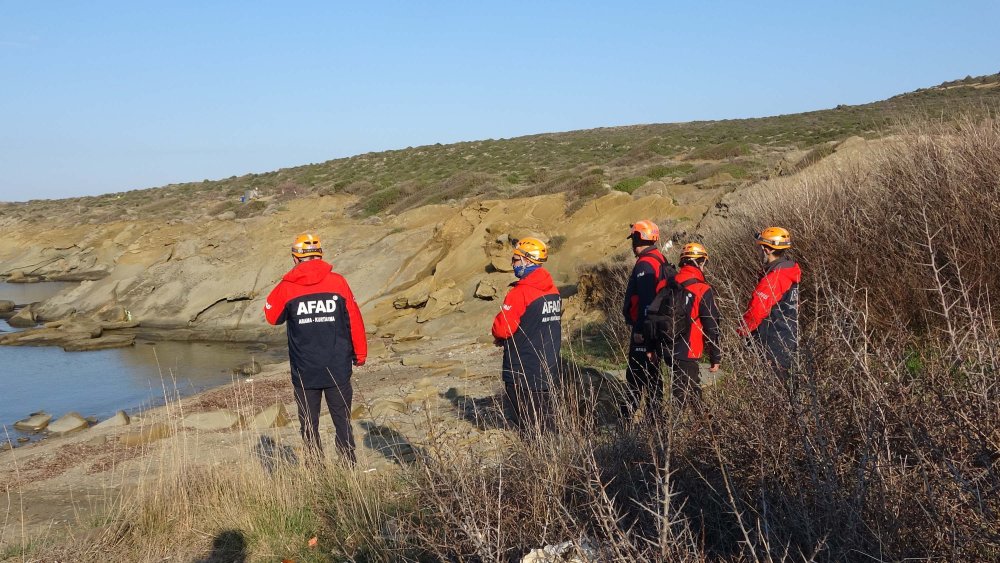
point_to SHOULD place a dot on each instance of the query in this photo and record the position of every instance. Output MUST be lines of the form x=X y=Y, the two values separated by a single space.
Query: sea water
x=99 y=383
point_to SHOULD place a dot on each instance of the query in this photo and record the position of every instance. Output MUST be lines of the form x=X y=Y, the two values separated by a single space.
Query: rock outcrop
x=437 y=269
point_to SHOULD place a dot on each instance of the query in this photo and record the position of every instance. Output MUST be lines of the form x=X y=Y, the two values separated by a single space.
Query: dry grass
x=885 y=445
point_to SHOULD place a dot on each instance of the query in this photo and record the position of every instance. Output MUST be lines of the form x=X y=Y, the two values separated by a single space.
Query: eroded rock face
x=428 y=269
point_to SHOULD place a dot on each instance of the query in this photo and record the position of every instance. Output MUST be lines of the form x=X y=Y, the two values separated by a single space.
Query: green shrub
x=629 y=185
x=381 y=200
x=250 y=209
x=720 y=151
x=661 y=171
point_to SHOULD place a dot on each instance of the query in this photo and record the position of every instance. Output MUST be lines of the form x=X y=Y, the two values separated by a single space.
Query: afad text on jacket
x=326 y=334
x=529 y=326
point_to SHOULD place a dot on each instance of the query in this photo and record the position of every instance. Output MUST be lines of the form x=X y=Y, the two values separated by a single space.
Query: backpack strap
x=663 y=270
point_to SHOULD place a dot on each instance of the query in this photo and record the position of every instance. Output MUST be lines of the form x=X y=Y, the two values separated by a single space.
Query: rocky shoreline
x=411 y=394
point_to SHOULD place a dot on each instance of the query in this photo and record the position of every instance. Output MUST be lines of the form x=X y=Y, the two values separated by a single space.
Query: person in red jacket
x=699 y=326
x=772 y=317
x=649 y=275
x=326 y=338
x=529 y=328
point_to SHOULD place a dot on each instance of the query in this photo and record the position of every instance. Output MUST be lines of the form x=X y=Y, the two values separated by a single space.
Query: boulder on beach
x=6 y=306
x=25 y=318
x=247 y=369
x=70 y=422
x=120 y=418
x=221 y=419
x=151 y=433
x=114 y=313
x=273 y=416
x=386 y=407
x=35 y=422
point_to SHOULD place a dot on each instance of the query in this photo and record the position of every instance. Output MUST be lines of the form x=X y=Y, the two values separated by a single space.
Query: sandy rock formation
x=221 y=419
x=146 y=435
x=70 y=422
x=428 y=271
x=35 y=422
x=120 y=418
x=273 y=416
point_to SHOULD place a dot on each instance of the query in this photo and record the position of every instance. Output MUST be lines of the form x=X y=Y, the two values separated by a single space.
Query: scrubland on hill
x=884 y=446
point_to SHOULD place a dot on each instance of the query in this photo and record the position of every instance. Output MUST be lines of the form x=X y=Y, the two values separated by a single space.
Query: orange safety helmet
x=305 y=245
x=532 y=250
x=694 y=251
x=776 y=238
x=645 y=231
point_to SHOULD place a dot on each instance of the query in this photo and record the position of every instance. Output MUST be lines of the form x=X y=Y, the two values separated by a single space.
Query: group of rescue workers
x=671 y=314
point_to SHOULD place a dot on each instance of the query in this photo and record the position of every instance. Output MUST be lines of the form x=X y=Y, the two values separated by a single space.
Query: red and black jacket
x=701 y=318
x=772 y=317
x=529 y=324
x=325 y=331
x=643 y=285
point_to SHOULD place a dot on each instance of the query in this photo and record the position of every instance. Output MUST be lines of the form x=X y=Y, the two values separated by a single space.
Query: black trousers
x=338 y=401
x=528 y=408
x=643 y=379
x=686 y=383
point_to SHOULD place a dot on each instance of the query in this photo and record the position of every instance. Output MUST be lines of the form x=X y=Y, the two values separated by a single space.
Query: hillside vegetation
x=582 y=164
x=884 y=445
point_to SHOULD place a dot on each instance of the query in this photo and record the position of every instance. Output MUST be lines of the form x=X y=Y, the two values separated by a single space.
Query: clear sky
x=103 y=96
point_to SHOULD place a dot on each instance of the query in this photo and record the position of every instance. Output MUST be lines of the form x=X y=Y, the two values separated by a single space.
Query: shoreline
x=192 y=367
x=399 y=388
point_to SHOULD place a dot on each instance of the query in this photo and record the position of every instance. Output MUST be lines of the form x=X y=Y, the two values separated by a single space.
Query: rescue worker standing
x=326 y=336
x=699 y=326
x=529 y=329
x=772 y=317
x=649 y=275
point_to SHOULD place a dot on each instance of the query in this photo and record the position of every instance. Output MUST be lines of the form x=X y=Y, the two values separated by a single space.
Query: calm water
x=101 y=382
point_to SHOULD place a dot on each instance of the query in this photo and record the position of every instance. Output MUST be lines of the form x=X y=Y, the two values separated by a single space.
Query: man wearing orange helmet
x=649 y=275
x=699 y=325
x=772 y=317
x=528 y=327
x=326 y=337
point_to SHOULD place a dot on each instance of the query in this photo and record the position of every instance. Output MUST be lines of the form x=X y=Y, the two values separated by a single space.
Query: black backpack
x=665 y=316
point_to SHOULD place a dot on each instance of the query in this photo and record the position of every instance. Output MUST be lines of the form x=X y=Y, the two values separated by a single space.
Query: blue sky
x=99 y=97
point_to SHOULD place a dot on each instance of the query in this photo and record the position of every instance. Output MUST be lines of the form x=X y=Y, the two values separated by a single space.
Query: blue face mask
x=524 y=269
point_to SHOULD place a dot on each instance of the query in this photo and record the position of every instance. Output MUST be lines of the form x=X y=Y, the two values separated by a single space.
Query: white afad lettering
x=552 y=307
x=316 y=306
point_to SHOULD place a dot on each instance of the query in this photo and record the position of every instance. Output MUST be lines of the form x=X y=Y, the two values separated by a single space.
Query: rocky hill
x=422 y=234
